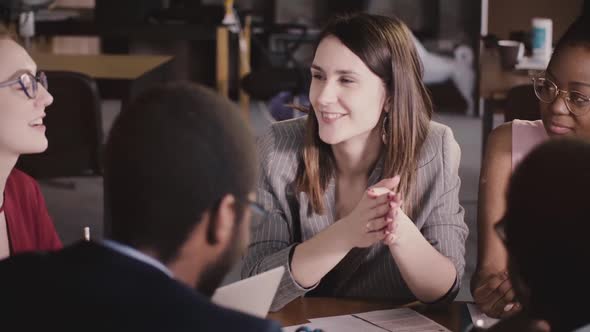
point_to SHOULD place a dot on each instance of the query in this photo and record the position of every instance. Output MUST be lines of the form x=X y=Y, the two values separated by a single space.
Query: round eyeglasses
x=29 y=83
x=577 y=103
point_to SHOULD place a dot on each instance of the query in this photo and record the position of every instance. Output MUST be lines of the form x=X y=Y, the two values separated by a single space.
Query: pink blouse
x=525 y=136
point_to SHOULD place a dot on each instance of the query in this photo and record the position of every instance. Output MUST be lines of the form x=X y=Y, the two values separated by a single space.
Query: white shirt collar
x=585 y=328
x=138 y=255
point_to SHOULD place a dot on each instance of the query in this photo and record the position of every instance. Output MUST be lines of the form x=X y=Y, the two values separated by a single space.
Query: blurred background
x=101 y=53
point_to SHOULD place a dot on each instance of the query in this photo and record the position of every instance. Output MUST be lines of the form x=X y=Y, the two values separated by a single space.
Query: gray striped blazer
x=364 y=272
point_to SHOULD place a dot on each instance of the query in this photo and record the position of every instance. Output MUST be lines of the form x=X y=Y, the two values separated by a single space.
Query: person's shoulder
x=293 y=128
x=24 y=272
x=22 y=193
x=439 y=143
x=437 y=129
x=18 y=175
x=27 y=287
x=500 y=139
x=281 y=144
x=505 y=129
x=20 y=181
x=522 y=130
x=528 y=133
x=527 y=124
x=21 y=262
x=70 y=256
x=284 y=135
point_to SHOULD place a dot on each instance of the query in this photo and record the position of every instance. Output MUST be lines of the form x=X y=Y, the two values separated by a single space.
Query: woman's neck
x=357 y=156
x=6 y=165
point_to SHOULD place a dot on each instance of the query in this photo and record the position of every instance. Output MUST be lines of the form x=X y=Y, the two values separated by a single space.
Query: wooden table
x=301 y=309
x=117 y=76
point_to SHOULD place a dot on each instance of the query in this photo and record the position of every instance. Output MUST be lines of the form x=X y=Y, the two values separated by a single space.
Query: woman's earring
x=384 y=133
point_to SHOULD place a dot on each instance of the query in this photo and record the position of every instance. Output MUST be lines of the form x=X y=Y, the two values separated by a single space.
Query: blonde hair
x=386 y=46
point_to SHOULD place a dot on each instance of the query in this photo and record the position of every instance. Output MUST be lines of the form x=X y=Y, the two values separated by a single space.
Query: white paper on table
x=402 y=320
x=346 y=323
x=253 y=295
x=477 y=315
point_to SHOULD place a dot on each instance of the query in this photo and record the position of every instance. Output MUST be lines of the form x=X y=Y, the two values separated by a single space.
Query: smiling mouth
x=331 y=116
x=36 y=123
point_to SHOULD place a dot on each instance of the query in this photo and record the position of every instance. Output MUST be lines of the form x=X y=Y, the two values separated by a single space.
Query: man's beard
x=213 y=274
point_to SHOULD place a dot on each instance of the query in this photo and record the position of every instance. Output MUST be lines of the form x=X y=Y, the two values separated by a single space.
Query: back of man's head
x=172 y=156
x=547 y=227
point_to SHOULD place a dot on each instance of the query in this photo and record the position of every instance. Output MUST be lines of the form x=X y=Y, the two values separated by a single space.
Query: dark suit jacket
x=89 y=287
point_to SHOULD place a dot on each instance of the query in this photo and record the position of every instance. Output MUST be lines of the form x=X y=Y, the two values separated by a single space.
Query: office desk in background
x=118 y=76
x=124 y=76
x=453 y=316
x=493 y=86
x=231 y=58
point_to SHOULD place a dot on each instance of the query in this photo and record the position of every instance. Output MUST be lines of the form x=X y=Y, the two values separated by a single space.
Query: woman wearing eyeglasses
x=25 y=224
x=564 y=94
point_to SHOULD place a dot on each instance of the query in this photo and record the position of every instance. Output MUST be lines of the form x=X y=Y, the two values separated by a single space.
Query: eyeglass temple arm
x=7 y=83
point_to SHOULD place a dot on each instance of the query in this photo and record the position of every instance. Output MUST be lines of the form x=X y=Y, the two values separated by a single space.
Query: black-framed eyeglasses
x=29 y=83
x=547 y=91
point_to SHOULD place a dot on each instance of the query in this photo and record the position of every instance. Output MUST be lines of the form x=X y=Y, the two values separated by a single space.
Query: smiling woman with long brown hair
x=363 y=194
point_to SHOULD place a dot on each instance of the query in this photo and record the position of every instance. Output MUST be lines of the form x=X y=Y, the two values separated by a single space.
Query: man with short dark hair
x=179 y=172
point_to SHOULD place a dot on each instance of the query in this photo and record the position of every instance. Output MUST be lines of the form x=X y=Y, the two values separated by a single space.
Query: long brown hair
x=386 y=46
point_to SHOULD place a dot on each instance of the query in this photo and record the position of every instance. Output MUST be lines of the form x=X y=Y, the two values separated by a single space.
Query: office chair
x=74 y=130
x=521 y=103
x=280 y=78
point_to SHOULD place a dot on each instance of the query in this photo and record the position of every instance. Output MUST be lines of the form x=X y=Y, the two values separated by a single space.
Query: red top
x=29 y=226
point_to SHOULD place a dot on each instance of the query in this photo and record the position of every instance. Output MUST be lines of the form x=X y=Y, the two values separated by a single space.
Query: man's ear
x=222 y=222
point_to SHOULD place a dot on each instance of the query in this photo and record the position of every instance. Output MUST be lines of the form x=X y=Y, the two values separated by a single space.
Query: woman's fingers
x=378 y=212
x=488 y=285
x=496 y=298
x=388 y=183
x=506 y=304
x=390 y=239
x=378 y=224
x=380 y=200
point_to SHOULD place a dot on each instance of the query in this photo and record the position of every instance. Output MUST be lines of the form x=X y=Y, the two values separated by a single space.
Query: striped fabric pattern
x=367 y=272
